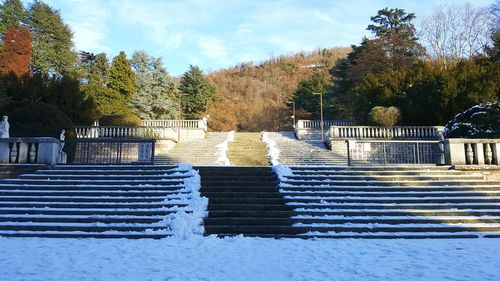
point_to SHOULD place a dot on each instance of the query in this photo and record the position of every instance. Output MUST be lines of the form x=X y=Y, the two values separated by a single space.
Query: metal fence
x=108 y=151
x=395 y=152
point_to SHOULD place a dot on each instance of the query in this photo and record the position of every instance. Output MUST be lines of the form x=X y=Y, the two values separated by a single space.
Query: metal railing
x=376 y=132
x=395 y=152
x=108 y=151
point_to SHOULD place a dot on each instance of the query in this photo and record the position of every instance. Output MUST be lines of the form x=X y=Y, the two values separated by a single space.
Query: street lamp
x=321 y=114
x=293 y=109
x=179 y=118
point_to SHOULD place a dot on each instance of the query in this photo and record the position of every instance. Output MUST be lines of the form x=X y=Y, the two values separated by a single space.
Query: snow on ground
x=239 y=258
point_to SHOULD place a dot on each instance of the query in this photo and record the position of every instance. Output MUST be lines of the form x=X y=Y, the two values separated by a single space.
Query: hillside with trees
x=257 y=96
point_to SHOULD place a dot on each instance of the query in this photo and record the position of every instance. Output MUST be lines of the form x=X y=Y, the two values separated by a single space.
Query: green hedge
x=120 y=120
x=40 y=120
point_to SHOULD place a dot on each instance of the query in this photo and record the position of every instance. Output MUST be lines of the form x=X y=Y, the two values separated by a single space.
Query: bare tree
x=453 y=32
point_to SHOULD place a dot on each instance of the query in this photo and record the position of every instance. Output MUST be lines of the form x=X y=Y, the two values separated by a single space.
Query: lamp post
x=179 y=118
x=321 y=114
x=293 y=110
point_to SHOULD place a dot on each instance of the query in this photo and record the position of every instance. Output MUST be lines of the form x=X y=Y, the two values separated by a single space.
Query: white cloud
x=213 y=48
x=89 y=21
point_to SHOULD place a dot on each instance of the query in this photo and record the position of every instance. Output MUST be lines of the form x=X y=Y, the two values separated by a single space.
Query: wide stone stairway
x=247 y=149
x=196 y=152
x=391 y=202
x=93 y=201
x=303 y=152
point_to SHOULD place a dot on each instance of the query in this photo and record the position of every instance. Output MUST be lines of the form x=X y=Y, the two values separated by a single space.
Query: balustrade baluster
x=469 y=154
x=488 y=154
x=32 y=154
x=13 y=153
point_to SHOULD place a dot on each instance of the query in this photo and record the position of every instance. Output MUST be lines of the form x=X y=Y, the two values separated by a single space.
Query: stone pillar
x=454 y=152
x=4 y=152
x=48 y=151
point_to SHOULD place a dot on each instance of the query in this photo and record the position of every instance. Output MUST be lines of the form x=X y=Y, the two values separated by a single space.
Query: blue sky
x=219 y=33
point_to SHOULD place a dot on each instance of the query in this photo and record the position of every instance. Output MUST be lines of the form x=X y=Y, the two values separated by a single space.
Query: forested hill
x=254 y=96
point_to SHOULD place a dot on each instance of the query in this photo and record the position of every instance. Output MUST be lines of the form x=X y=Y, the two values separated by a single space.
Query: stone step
x=394 y=200
x=77 y=227
x=86 y=187
x=80 y=219
x=385 y=178
x=390 y=183
x=249 y=221
x=424 y=194
x=102 y=193
x=423 y=188
x=88 y=182
x=114 y=205
x=76 y=199
x=257 y=195
x=103 y=177
x=84 y=212
x=251 y=214
x=68 y=234
x=258 y=230
x=248 y=207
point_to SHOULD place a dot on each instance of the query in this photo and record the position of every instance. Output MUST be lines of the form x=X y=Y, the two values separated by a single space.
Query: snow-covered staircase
x=197 y=152
x=302 y=152
x=121 y=201
x=390 y=202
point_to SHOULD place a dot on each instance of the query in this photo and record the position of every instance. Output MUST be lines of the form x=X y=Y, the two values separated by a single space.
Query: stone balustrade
x=42 y=150
x=472 y=151
x=316 y=124
x=376 y=132
x=92 y=132
x=183 y=124
x=310 y=129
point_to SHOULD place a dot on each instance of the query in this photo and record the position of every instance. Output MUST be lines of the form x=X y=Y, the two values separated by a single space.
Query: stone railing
x=29 y=151
x=472 y=151
x=375 y=132
x=91 y=132
x=316 y=124
x=183 y=124
x=310 y=129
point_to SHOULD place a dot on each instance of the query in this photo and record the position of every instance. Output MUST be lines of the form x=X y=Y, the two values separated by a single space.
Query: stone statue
x=62 y=137
x=4 y=128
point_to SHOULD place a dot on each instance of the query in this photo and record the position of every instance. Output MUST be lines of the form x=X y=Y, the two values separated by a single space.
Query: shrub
x=479 y=121
x=120 y=120
x=40 y=120
x=385 y=116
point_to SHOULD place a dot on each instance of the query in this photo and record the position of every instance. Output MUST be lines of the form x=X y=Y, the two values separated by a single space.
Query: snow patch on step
x=272 y=148
x=223 y=148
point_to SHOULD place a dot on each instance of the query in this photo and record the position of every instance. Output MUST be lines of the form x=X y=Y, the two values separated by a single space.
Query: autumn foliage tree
x=16 y=53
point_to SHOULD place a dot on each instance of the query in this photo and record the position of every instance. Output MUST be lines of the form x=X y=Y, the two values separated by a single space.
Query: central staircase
x=244 y=200
x=247 y=149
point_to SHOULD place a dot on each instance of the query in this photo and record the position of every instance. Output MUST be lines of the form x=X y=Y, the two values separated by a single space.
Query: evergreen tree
x=96 y=68
x=198 y=91
x=52 y=41
x=396 y=35
x=121 y=80
x=12 y=14
x=155 y=96
x=307 y=103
